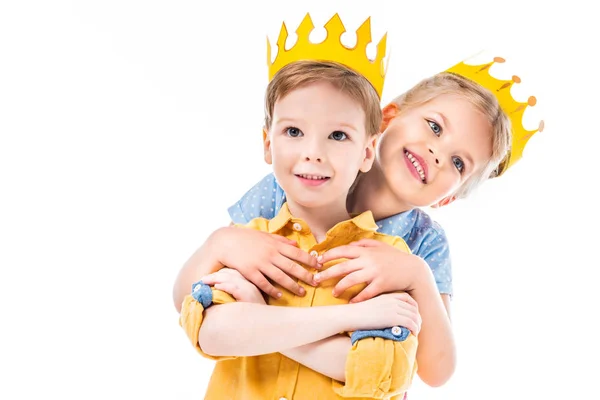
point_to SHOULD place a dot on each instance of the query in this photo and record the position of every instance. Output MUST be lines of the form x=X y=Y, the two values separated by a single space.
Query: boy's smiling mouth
x=417 y=165
x=312 y=179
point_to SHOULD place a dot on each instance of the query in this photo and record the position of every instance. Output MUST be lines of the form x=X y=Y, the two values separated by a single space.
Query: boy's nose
x=312 y=158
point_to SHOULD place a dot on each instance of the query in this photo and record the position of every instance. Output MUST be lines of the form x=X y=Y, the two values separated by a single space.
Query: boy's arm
x=218 y=330
x=327 y=356
x=364 y=366
x=249 y=329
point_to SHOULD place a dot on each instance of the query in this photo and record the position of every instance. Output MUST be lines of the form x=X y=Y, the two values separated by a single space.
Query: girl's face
x=428 y=151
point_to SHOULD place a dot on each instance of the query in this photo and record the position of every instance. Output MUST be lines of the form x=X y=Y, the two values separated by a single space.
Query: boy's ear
x=389 y=113
x=444 y=202
x=369 y=154
x=267 y=147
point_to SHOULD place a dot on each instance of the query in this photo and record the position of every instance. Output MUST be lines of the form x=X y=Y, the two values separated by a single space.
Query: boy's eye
x=459 y=164
x=293 y=132
x=435 y=128
x=338 y=135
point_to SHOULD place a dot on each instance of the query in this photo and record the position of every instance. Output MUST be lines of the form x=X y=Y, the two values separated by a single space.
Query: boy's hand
x=381 y=266
x=386 y=311
x=260 y=256
x=231 y=281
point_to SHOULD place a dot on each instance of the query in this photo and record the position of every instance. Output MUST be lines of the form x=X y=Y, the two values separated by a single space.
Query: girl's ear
x=389 y=113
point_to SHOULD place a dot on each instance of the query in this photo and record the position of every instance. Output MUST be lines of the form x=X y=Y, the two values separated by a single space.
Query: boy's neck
x=319 y=220
x=372 y=193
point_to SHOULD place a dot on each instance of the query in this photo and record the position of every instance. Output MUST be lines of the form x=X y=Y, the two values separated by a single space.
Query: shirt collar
x=363 y=221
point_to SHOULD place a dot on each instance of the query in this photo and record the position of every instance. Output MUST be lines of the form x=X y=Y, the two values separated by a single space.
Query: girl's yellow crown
x=513 y=108
x=332 y=49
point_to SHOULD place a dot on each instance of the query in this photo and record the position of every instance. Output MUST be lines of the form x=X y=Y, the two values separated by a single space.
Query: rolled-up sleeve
x=192 y=316
x=379 y=368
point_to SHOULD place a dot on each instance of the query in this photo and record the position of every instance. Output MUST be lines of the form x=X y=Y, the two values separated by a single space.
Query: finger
x=285 y=240
x=261 y=282
x=338 y=270
x=280 y=277
x=298 y=255
x=229 y=287
x=348 y=281
x=366 y=243
x=411 y=325
x=336 y=253
x=367 y=293
x=405 y=297
x=292 y=269
x=211 y=279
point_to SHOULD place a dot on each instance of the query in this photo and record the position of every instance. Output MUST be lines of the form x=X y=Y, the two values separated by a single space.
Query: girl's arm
x=256 y=255
x=385 y=269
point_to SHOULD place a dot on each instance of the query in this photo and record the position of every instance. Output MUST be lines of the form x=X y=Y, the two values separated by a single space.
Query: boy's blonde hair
x=302 y=73
x=483 y=100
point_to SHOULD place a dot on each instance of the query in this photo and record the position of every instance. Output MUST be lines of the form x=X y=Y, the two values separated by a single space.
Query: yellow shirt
x=376 y=368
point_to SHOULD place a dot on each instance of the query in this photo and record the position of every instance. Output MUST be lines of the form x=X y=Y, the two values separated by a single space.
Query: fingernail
x=320 y=258
x=317 y=277
x=279 y=295
x=334 y=293
x=319 y=266
x=301 y=291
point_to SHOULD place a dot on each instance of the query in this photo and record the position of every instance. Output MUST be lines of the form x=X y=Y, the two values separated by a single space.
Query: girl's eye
x=338 y=135
x=293 y=132
x=435 y=128
x=459 y=164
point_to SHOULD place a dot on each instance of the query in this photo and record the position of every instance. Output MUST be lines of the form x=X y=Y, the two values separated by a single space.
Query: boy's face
x=428 y=151
x=317 y=144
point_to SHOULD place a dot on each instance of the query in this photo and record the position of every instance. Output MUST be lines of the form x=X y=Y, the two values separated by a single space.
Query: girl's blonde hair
x=484 y=101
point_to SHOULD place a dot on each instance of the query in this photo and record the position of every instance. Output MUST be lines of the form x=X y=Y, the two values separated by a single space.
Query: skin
x=447 y=129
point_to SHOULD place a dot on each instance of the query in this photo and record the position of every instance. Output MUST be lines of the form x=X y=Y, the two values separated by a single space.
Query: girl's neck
x=373 y=193
x=320 y=220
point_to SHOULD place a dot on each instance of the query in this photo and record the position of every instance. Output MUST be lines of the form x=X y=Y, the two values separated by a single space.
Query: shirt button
x=314 y=253
x=396 y=331
x=297 y=227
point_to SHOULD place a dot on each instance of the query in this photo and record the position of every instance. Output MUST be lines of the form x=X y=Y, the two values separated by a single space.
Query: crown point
x=541 y=126
x=283 y=35
x=335 y=26
x=381 y=46
x=305 y=27
x=499 y=60
x=516 y=79
x=532 y=101
x=363 y=34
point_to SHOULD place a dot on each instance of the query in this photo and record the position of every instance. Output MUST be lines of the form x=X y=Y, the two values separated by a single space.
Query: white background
x=128 y=127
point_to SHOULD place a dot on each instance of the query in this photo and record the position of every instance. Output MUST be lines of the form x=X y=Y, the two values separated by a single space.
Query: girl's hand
x=382 y=267
x=231 y=281
x=260 y=256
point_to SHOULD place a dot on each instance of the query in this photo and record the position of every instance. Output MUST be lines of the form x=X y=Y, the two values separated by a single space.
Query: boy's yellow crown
x=513 y=108
x=332 y=49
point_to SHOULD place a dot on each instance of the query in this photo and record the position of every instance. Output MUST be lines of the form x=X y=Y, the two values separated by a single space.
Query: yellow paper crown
x=513 y=108
x=331 y=49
